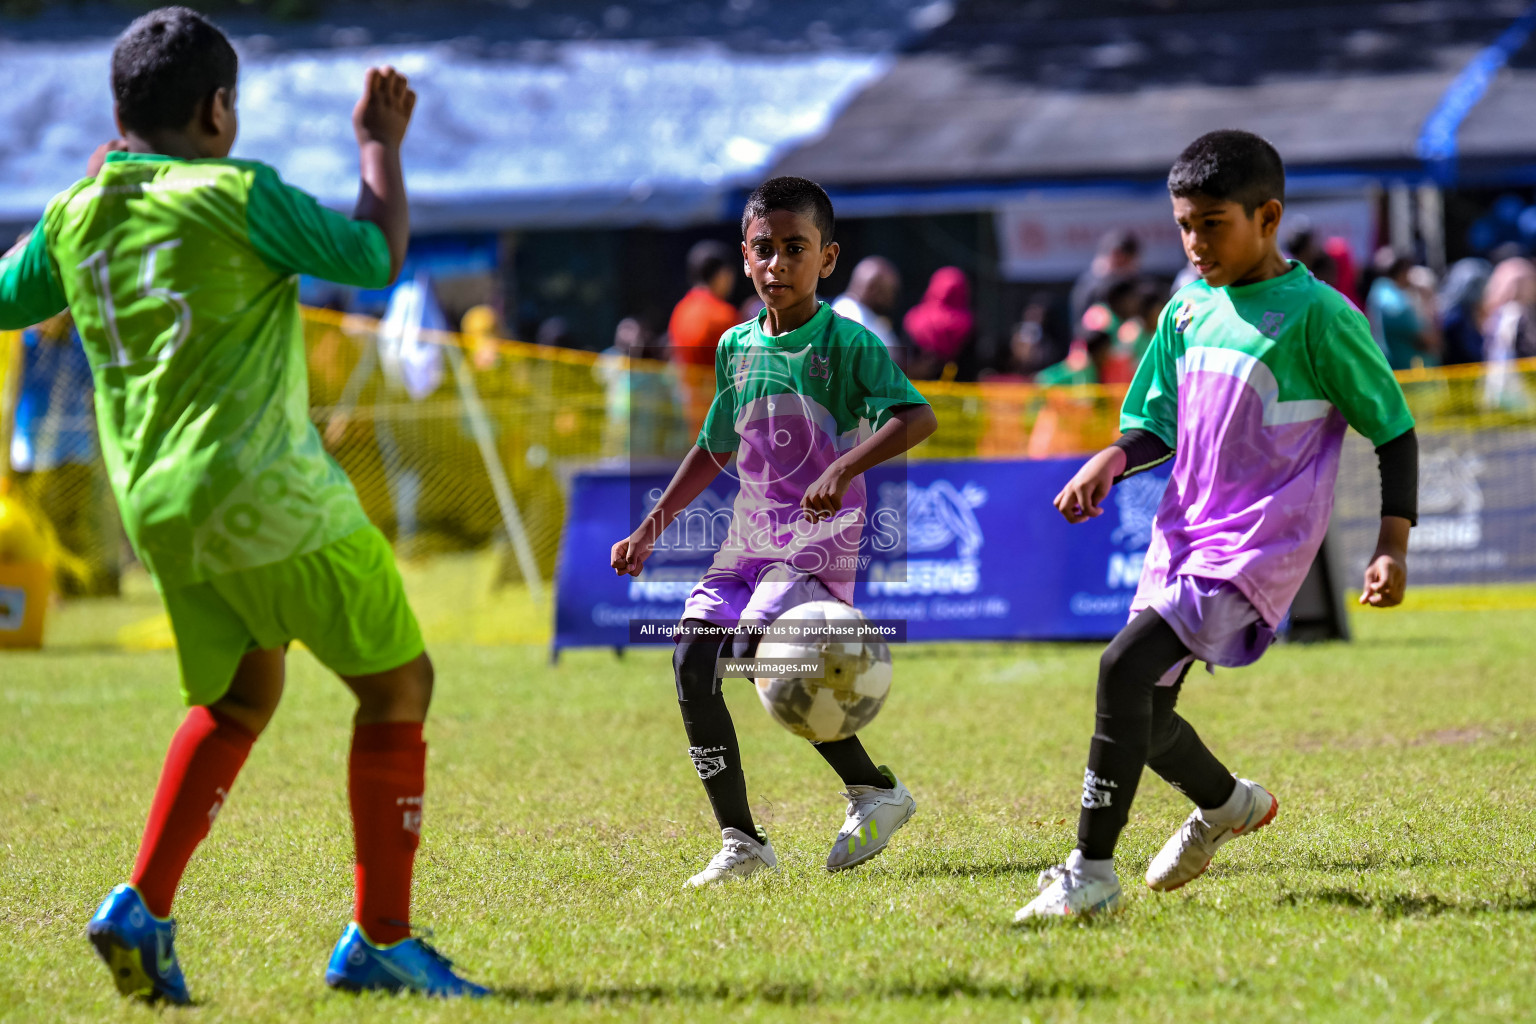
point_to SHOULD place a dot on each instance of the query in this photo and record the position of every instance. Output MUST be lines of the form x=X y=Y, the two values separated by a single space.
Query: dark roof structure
x=1045 y=91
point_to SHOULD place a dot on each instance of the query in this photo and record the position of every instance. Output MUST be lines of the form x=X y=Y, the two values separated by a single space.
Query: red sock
x=205 y=756
x=386 y=778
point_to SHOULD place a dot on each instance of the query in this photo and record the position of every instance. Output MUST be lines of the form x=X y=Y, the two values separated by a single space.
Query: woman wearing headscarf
x=941 y=325
x=1460 y=305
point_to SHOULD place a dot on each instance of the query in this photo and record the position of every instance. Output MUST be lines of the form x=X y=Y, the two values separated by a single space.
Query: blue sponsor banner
x=1477 y=508
x=958 y=550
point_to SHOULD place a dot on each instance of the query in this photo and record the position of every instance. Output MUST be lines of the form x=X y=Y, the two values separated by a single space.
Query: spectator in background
x=639 y=395
x=482 y=331
x=55 y=461
x=1111 y=329
x=1034 y=344
x=1509 y=324
x=1396 y=313
x=697 y=323
x=1509 y=332
x=1301 y=241
x=870 y=298
x=555 y=332
x=1460 y=306
x=1152 y=296
x=705 y=312
x=1346 y=275
x=941 y=326
x=1119 y=256
x=1302 y=246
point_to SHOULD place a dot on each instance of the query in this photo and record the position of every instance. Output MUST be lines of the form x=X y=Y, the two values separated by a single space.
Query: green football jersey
x=182 y=279
x=789 y=405
x=1252 y=386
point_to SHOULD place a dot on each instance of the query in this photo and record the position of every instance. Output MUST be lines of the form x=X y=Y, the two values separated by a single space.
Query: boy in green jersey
x=181 y=268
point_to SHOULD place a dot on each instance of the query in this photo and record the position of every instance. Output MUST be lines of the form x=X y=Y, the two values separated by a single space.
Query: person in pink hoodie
x=940 y=326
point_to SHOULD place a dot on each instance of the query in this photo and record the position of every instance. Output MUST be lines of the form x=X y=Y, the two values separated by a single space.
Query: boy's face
x=785 y=258
x=1223 y=241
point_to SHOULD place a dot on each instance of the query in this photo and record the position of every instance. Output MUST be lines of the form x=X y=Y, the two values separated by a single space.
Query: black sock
x=711 y=734
x=847 y=757
x=852 y=763
x=1128 y=673
x=1177 y=754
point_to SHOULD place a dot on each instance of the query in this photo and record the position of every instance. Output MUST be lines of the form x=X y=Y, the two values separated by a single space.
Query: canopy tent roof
x=1061 y=91
x=571 y=115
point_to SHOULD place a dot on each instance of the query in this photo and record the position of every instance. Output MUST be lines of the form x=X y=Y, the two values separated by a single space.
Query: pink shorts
x=1213 y=619
x=758 y=593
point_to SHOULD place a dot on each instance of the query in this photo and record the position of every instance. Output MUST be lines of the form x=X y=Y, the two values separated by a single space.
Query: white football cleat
x=1185 y=857
x=740 y=855
x=1066 y=892
x=874 y=815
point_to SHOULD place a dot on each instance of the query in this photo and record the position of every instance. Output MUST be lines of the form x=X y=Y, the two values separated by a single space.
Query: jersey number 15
x=100 y=279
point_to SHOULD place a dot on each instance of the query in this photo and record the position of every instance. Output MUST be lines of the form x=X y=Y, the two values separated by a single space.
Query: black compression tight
x=712 y=735
x=1136 y=725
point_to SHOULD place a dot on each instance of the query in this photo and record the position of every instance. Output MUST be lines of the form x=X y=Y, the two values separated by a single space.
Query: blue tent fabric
x=592 y=133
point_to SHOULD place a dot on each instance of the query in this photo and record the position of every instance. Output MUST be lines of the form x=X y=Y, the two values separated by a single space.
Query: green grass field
x=1398 y=882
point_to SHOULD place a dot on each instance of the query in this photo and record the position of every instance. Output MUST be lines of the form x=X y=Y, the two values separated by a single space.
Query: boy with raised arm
x=181 y=268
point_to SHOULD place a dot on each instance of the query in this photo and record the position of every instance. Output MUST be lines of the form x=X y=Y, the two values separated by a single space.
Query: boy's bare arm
x=908 y=427
x=1079 y=500
x=699 y=468
x=380 y=120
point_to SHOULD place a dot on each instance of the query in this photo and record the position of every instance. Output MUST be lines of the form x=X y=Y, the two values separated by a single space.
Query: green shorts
x=344 y=601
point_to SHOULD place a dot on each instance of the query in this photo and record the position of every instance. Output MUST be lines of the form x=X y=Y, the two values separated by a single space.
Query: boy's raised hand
x=384 y=111
x=1079 y=500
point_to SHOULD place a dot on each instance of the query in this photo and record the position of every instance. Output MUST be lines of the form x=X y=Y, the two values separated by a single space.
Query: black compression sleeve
x=1399 y=462
x=1143 y=450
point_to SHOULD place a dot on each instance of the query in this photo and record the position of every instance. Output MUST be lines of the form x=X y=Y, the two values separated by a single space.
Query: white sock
x=1097 y=870
x=1236 y=806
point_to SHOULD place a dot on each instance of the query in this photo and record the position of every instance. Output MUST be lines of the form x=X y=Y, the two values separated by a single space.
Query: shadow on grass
x=996 y=869
x=1408 y=905
x=1324 y=864
x=802 y=993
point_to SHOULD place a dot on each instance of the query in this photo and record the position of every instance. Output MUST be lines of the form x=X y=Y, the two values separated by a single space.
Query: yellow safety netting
x=462 y=457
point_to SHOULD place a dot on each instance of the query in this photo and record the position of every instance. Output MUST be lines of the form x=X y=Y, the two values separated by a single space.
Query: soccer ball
x=853 y=688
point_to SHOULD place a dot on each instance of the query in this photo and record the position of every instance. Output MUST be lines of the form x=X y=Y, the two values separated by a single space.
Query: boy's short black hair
x=165 y=64
x=798 y=195
x=1230 y=165
x=708 y=258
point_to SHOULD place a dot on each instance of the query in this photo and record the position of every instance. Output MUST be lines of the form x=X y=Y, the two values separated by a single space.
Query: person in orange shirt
x=697 y=322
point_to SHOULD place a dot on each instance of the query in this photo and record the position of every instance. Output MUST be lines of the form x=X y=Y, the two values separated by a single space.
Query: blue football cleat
x=357 y=965
x=138 y=947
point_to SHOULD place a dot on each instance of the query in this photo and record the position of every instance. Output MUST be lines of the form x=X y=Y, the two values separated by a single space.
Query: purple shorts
x=757 y=592
x=1213 y=619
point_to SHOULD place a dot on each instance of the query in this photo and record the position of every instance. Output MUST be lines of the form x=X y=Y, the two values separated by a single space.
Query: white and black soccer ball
x=850 y=693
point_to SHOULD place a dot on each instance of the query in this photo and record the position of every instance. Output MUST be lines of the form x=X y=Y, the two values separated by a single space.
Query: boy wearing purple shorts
x=795 y=393
x=1254 y=373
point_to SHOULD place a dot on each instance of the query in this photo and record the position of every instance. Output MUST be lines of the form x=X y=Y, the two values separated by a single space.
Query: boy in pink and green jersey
x=806 y=401
x=1254 y=374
